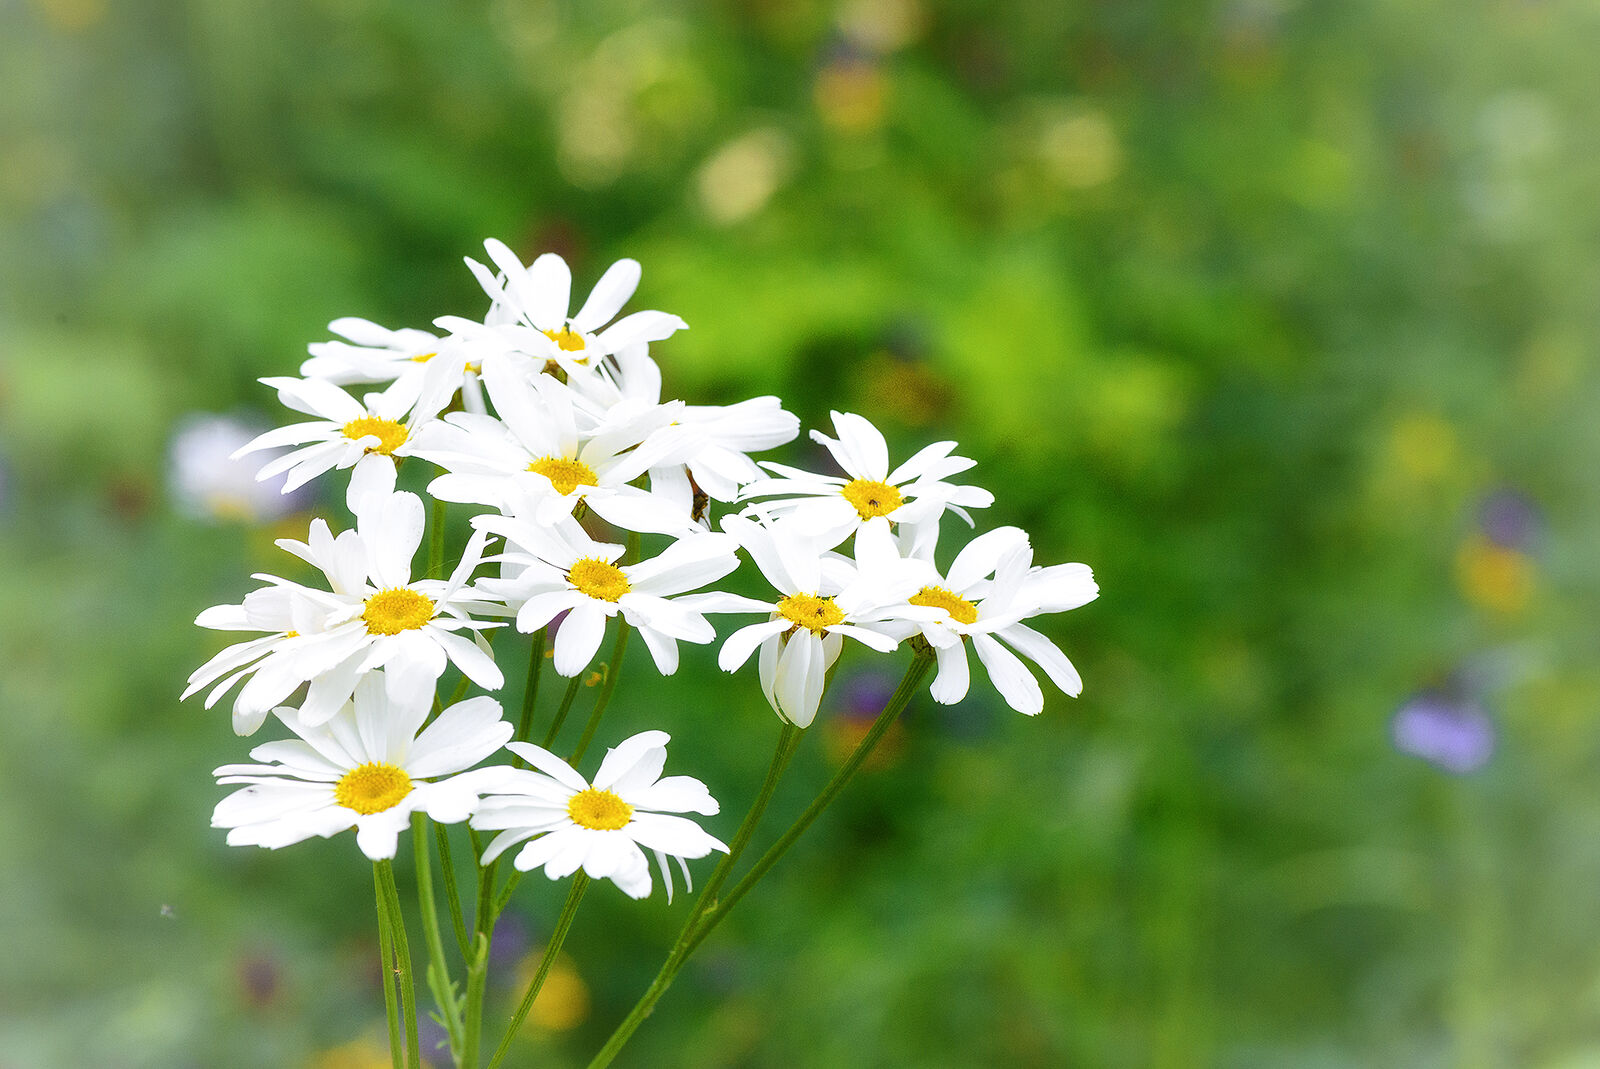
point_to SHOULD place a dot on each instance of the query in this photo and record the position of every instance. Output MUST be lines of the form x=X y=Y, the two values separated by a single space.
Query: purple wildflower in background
x=862 y=696
x=1511 y=519
x=1448 y=731
x=433 y=1042
x=512 y=940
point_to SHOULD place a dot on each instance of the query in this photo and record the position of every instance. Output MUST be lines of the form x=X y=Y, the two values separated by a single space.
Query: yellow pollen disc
x=810 y=611
x=390 y=435
x=937 y=597
x=564 y=473
x=567 y=339
x=599 y=810
x=423 y=358
x=872 y=498
x=372 y=787
x=397 y=609
x=291 y=634
x=598 y=579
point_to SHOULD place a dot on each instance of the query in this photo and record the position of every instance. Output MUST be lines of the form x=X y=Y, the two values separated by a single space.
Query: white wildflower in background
x=366 y=768
x=209 y=482
x=373 y=615
x=600 y=827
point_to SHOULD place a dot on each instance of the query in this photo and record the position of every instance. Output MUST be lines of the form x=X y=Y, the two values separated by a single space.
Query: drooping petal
x=663 y=649
x=1046 y=655
x=473 y=662
x=743 y=642
x=1009 y=676
x=794 y=688
x=579 y=637
x=954 y=678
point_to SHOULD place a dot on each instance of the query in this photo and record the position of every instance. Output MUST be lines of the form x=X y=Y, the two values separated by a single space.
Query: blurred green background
x=1281 y=315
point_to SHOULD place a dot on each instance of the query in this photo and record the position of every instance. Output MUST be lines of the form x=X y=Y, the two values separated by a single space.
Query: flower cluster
x=593 y=504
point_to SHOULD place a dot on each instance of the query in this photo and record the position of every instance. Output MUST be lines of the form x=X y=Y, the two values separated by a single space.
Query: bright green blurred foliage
x=1251 y=305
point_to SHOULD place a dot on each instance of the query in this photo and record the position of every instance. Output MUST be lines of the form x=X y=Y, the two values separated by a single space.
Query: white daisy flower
x=537 y=445
x=367 y=769
x=531 y=305
x=366 y=435
x=374 y=353
x=723 y=435
x=373 y=615
x=913 y=493
x=825 y=598
x=990 y=589
x=551 y=570
x=600 y=827
x=370 y=353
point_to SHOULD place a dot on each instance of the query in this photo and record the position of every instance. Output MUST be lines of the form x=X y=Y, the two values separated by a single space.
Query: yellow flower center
x=599 y=810
x=598 y=579
x=937 y=597
x=390 y=435
x=397 y=609
x=810 y=611
x=564 y=473
x=567 y=339
x=872 y=498
x=372 y=787
x=468 y=366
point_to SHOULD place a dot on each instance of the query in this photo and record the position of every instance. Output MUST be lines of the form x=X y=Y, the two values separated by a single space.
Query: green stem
x=530 y=691
x=561 y=713
x=788 y=743
x=451 y=892
x=613 y=670
x=402 y=959
x=477 y=977
x=504 y=900
x=909 y=684
x=580 y=884
x=708 y=914
x=391 y=1009
x=436 y=540
x=483 y=921
x=438 y=965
